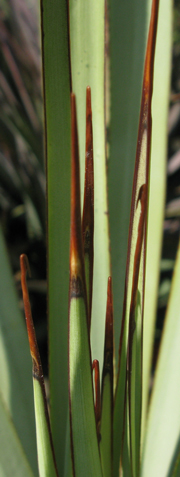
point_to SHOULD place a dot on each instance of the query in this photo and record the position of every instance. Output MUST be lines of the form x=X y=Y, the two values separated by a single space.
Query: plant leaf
x=163 y=427
x=84 y=444
x=132 y=324
x=160 y=103
x=57 y=131
x=13 y=460
x=16 y=386
x=87 y=62
x=129 y=23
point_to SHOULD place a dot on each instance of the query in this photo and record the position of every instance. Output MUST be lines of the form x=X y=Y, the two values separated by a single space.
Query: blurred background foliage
x=22 y=166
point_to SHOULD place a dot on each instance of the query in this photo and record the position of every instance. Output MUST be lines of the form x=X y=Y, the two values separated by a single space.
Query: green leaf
x=128 y=34
x=160 y=102
x=13 y=460
x=45 y=456
x=163 y=426
x=84 y=443
x=16 y=384
x=130 y=353
x=87 y=63
x=57 y=130
x=85 y=446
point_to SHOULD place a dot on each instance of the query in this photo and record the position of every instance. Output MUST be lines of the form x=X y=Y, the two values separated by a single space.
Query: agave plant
x=102 y=272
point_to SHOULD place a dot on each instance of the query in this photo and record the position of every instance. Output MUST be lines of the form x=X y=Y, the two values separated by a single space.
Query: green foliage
x=139 y=438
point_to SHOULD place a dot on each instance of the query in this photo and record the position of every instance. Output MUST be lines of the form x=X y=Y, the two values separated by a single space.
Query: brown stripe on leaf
x=88 y=207
x=37 y=368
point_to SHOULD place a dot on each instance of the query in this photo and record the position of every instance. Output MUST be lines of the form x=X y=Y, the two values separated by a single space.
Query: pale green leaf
x=163 y=426
x=160 y=103
x=87 y=62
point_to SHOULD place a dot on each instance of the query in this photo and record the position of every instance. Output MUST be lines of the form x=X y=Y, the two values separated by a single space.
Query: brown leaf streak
x=145 y=114
x=88 y=206
x=37 y=366
x=77 y=274
x=29 y=321
x=95 y=367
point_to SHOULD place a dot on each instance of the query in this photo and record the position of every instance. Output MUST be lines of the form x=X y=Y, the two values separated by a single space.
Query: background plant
x=89 y=65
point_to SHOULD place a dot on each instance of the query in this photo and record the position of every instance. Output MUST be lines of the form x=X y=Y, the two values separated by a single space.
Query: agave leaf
x=46 y=458
x=163 y=426
x=87 y=26
x=160 y=102
x=84 y=443
x=16 y=387
x=132 y=325
x=13 y=460
x=57 y=130
x=128 y=33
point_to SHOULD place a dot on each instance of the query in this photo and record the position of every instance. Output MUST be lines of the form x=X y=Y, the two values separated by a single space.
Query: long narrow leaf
x=13 y=460
x=15 y=383
x=163 y=427
x=84 y=444
x=87 y=34
x=128 y=36
x=160 y=104
x=134 y=288
x=54 y=16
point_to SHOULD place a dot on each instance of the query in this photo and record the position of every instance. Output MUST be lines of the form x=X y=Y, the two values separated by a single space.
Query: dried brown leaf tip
x=37 y=368
x=88 y=207
x=145 y=112
x=95 y=367
x=77 y=274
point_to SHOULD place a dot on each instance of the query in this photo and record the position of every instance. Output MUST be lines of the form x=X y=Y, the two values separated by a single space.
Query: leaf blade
x=54 y=16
